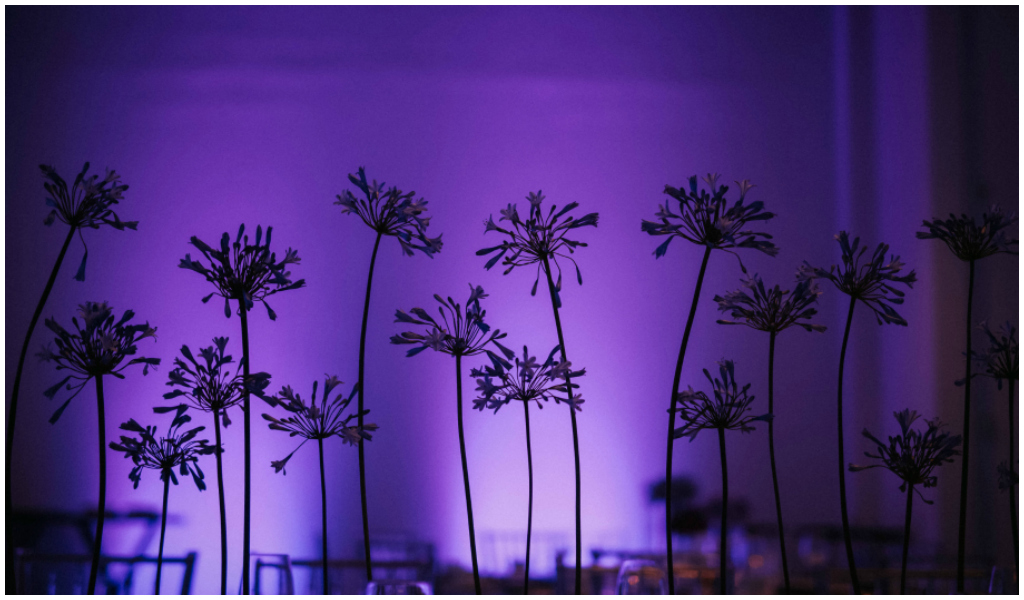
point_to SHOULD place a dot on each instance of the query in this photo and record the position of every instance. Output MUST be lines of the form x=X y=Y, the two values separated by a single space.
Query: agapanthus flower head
x=86 y=204
x=540 y=236
x=705 y=218
x=970 y=241
x=210 y=384
x=871 y=282
x=726 y=410
x=1000 y=358
x=913 y=455
x=771 y=309
x=317 y=421
x=390 y=211
x=500 y=383
x=98 y=345
x=458 y=332
x=177 y=451
x=1008 y=477
x=244 y=271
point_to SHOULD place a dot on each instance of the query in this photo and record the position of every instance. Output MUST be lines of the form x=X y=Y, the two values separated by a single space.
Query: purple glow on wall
x=219 y=116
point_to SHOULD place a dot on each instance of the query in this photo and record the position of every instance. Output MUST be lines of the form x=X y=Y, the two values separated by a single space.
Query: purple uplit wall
x=862 y=119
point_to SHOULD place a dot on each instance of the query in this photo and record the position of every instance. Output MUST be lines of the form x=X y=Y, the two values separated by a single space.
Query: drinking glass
x=398 y=588
x=642 y=577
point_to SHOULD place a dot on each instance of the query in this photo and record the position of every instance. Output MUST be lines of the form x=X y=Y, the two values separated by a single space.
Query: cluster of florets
x=98 y=346
x=177 y=451
x=870 y=282
x=538 y=239
x=243 y=271
x=527 y=381
x=389 y=211
x=706 y=219
x=913 y=455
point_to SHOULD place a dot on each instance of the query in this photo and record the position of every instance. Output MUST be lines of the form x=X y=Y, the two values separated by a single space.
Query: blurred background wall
x=866 y=119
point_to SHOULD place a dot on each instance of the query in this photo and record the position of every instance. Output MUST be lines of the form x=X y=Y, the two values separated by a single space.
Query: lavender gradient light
x=219 y=116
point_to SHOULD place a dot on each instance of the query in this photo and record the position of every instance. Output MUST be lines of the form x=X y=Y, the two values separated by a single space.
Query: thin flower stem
x=362 y=387
x=723 y=549
x=906 y=540
x=102 y=513
x=961 y=553
x=247 y=511
x=323 y=512
x=1013 y=489
x=847 y=538
x=163 y=530
x=771 y=454
x=529 y=513
x=672 y=421
x=465 y=473
x=13 y=412
x=575 y=435
x=223 y=508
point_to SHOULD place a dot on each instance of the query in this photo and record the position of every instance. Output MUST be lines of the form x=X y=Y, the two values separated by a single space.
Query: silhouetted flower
x=871 y=283
x=705 y=219
x=243 y=271
x=728 y=409
x=771 y=310
x=86 y=204
x=179 y=450
x=537 y=238
x=312 y=422
x=967 y=240
x=1000 y=358
x=1008 y=478
x=210 y=385
x=98 y=346
x=913 y=455
x=500 y=383
x=458 y=333
x=391 y=212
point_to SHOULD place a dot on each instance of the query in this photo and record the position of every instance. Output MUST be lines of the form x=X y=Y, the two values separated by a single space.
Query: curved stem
x=847 y=538
x=247 y=509
x=12 y=414
x=575 y=434
x=163 y=530
x=323 y=512
x=906 y=540
x=465 y=472
x=771 y=454
x=529 y=513
x=1013 y=489
x=723 y=549
x=961 y=553
x=102 y=513
x=362 y=386
x=672 y=420
x=223 y=507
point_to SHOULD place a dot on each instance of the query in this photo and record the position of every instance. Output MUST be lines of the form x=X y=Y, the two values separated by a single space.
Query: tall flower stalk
x=999 y=361
x=210 y=385
x=98 y=346
x=86 y=204
x=912 y=456
x=704 y=218
x=541 y=240
x=459 y=332
x=312 y=422
x=727 y=410
x=528 y=382
x=394 y=213
x=873 y=284
x=247 y=273
x=772 y=310
x=970 y=242
x=177 y=451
